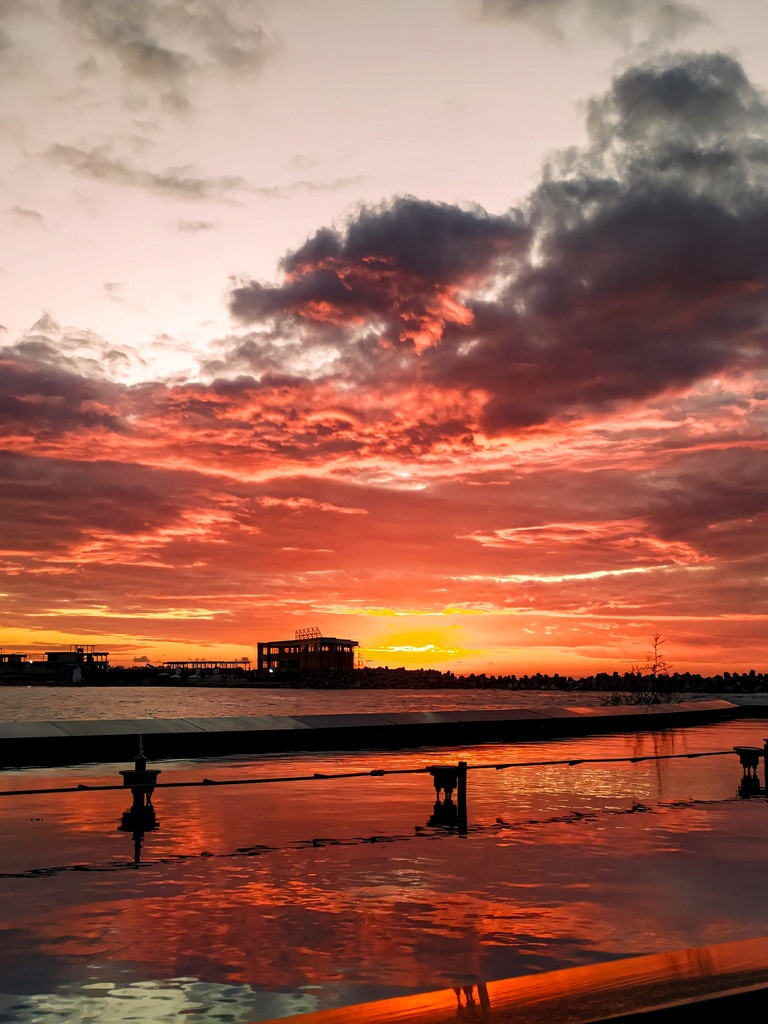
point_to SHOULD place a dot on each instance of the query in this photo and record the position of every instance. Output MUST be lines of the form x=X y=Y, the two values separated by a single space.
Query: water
x=258 y=901
x=62 y=703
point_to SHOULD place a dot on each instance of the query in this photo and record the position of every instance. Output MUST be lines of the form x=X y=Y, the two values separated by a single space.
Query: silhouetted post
x=140 y=816
x=749 y=758
x=461 y=796
x=445 y=777
x=140 y=779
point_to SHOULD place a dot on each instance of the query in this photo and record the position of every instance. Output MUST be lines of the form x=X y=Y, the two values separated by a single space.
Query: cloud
x=11 y=11
x=29 y=215
x=401 y=266
x=335 y=185
x=49 y=346
x=637 y=268
x=164 y=43
x=178 y=182
x=155 y=497
x=651 y=20
x=551 y=415
x=194 y=226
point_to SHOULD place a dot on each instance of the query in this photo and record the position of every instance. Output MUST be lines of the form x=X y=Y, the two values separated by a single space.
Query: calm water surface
x=61 y=703
x=49 y=703
x=255 y=901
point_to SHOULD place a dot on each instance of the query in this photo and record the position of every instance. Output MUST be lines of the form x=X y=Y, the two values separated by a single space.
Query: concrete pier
x=54 y=743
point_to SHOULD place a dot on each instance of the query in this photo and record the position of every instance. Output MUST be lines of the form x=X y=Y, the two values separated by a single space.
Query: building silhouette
x=309 y=651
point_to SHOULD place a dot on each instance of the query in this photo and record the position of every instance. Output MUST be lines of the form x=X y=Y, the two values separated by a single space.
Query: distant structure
x=309 y=651
x=80 y=663
x=197 y=671
x=13 y=659
x=84 y=655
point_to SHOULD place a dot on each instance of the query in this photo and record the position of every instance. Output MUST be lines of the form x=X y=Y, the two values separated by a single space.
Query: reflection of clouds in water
x=152 y=1003
x=278 y=886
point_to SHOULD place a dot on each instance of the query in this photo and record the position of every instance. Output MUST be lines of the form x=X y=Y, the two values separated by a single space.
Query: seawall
x=58 y=743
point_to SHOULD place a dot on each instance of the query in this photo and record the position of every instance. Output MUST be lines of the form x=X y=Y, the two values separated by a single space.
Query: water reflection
x=446 y=813
x=750 y=761
x=328 y=893
x=472 y=1002
x=151 y=1002
x=140 y=816
x=633 y=987
x=138 y=821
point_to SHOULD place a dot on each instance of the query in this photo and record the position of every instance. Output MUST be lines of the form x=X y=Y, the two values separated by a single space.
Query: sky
x=436 y=325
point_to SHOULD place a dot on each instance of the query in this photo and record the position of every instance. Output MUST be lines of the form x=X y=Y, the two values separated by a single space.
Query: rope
x=376 y=772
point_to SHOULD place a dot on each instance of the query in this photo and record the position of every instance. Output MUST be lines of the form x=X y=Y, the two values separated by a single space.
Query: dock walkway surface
x=59 y=743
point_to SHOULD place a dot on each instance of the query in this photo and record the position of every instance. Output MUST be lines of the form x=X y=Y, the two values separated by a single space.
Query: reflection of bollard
x=445 y=814
x=446 y=778
x=469 y=1006
x=140 y=816
x=138 y=820
x=750 y=759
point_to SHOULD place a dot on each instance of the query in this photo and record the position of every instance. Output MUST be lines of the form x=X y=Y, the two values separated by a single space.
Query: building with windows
x=84 y=655
x=81 y=663
x=309 y=651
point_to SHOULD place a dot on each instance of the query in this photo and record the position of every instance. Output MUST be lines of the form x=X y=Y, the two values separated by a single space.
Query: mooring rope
x=375 y=772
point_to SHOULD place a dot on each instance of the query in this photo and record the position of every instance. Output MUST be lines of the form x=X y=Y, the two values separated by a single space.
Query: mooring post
x=749 y=758
x=461 y=796
x=140 y=816
x=140 y=779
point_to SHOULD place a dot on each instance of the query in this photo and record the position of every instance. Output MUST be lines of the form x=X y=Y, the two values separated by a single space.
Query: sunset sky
x=440 y=325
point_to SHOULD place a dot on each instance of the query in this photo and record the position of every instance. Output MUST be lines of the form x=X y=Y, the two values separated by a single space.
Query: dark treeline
x=431 y=679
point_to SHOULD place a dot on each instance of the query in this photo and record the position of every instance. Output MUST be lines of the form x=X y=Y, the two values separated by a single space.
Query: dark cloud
x=432 y=241
x=97 y=163
x=640 y=266
x=650 y=19
x=46 y=403
x=650 y=266
x=716 y=501
x=401 y=265
x=75 y=499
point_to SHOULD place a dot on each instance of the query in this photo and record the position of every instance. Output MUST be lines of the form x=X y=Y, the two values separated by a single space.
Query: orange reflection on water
x=343 y=889
x=576 y=994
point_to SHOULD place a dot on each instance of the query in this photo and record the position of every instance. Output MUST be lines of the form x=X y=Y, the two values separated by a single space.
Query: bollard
x=445 y=777
x=461 y=797
x=140 y=816
x=750 y=759
x=140 y=779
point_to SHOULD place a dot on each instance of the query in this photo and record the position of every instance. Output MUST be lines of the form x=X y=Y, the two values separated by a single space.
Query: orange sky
x=510 y=441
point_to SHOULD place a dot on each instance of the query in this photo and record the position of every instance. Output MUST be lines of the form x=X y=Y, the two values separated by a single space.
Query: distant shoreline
x=678 y=683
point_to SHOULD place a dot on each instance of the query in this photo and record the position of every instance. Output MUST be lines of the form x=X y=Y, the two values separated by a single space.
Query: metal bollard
x=750 y=759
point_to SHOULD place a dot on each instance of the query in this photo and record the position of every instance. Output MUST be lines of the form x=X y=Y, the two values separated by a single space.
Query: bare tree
x=655 y=666
x=652 y=681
